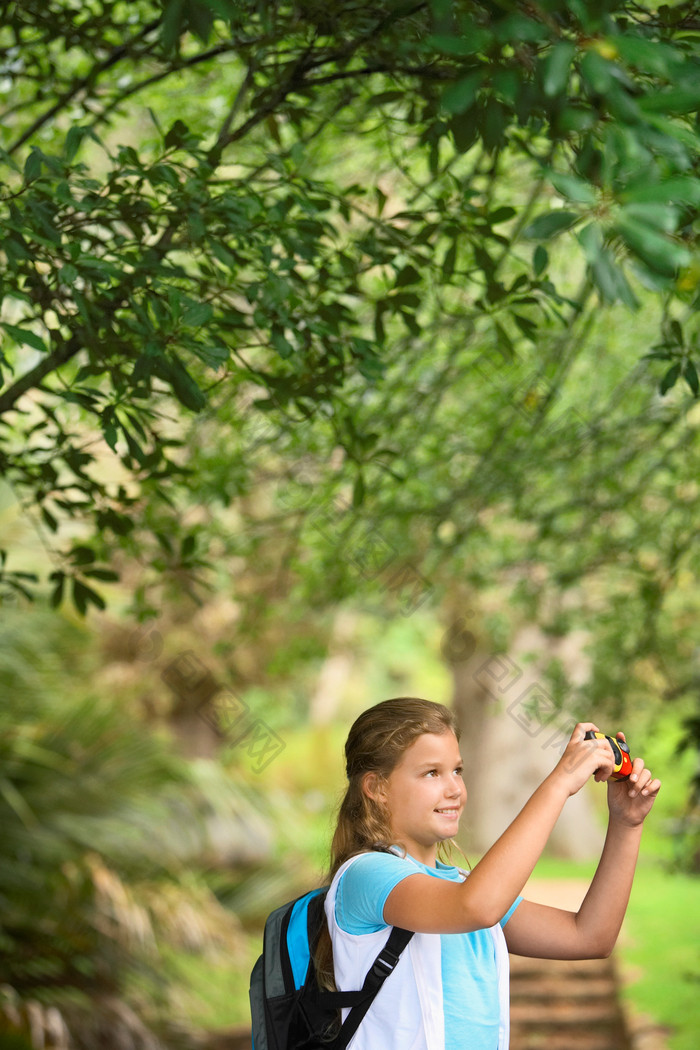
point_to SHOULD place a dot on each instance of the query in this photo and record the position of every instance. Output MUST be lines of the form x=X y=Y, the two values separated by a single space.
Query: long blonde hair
x=376 y=743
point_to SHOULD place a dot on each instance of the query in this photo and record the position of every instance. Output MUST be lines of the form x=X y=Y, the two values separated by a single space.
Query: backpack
x=288 y=1009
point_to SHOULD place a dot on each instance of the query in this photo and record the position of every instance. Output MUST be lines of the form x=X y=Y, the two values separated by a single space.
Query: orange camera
x=623 y=761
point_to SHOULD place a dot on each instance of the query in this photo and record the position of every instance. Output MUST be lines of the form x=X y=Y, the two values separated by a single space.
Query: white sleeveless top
x=408 y=1013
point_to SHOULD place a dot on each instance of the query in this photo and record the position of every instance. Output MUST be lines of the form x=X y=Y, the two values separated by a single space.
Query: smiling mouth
x=452 y=812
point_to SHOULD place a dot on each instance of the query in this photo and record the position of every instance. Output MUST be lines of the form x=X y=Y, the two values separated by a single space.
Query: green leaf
x=465 y=130
x=549 y=224
x=32 y=165
x=197 y=314
x=690 y=374
x=527 y=327
x=213 y=356
x=597 y=72
x=611 y=281
x=496 y=119
x=655 y=249
x=607 y=275
x=463 y=44
x=56 y=598
x=49 y=519
x=555 y=75
x=176 y=135
x=458 y=97
x=449 y=261
x=669 y=380
x=160 y=173
x=405 y=300
x=519 y=27
x=650 y=56
x=84 y=596
x=504 y=342
x=111 y=435
x=683 y=189
x=183 y=385
x=540 y=260
x=358 y=491
x=81 y=555
x=74 y=138
x=408 y=275
x=676 y=100
x=386 y=96
x=664 y=217
x=501 y=215
x=108 y=575
x=571 y=187
x=172 y=23
x=25 y=336
x=200 y=19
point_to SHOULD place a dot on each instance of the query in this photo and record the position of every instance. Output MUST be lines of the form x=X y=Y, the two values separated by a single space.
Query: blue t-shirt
x=469 y=975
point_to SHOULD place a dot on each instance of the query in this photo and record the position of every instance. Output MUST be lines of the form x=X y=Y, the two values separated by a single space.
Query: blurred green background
x=135 y=879
x=348 y=351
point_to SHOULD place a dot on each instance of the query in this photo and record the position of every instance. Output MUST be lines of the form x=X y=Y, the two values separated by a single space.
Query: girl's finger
x=652 y=787
x=637 y=767
x=582 y=728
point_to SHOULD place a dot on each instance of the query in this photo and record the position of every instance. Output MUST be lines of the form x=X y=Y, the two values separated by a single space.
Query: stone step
x=565 y=1039
x=547 y=987
x=521 y=966
x=566 y=1005
x=594 y=1014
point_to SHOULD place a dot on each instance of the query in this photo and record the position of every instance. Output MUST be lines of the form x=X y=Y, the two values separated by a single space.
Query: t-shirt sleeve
x=363 y=889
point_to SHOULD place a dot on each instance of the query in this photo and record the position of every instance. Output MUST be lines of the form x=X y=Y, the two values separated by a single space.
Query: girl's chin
x=448 y=828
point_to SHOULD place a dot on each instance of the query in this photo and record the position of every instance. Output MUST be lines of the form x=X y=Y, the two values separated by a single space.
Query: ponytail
x=376 y=743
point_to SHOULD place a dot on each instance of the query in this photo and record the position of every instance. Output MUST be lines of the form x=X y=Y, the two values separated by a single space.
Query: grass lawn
x=659 y=952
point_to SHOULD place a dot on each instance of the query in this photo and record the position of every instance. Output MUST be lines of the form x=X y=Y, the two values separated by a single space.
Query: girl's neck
x=426 y=856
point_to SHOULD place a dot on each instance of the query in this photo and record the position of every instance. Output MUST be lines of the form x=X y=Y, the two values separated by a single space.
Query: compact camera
x=623 y=761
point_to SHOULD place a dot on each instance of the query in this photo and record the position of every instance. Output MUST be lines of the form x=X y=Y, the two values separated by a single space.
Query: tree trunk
x=508 y=749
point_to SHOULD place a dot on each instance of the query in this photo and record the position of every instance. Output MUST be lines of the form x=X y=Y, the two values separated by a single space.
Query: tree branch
x=34 y=376
x=116 y=56
x=233 y=112
x=220 y=49
x=304 y=64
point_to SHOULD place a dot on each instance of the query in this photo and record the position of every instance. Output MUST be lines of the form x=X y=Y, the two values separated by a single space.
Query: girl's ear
x=373 y=786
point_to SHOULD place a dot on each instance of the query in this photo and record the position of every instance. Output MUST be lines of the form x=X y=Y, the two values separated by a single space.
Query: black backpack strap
x=380 y=969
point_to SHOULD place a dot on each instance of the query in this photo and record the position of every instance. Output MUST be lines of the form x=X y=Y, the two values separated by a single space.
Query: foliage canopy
x=183 y=225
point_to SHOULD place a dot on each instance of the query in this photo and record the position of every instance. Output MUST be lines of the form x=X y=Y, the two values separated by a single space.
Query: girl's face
x=424 y=795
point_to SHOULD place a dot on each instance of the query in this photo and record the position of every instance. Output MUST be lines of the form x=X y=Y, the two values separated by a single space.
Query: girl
x=404 y=799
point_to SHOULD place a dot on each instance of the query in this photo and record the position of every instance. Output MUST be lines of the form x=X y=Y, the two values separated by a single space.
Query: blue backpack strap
x=298 y=935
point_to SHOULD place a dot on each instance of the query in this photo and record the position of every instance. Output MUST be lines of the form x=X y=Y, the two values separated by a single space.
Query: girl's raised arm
x=549 y=933
x=427 y=905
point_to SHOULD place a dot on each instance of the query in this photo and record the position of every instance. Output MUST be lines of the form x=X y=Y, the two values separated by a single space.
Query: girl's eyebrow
x=436 y=764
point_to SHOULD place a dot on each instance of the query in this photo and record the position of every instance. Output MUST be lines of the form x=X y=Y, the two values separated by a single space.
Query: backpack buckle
x=385 y=963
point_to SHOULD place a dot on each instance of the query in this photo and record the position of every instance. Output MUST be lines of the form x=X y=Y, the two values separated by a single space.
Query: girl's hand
x=583 y=759
x=629 y=801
